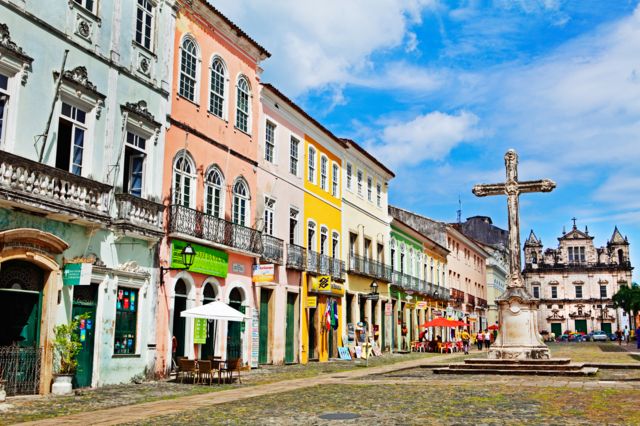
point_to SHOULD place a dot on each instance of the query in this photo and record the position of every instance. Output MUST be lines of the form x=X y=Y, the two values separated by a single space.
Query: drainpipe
x=53 y=104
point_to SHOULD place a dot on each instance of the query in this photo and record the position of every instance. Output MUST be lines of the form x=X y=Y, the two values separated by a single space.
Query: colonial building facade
x=575 y=281
x=80 y=217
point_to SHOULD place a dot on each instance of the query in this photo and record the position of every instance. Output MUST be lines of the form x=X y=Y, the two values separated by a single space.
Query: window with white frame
x=311 y=175
x=379 y=195
x=4 y=104
x=536 y=292
x=242 y=105
x=217 y=88
x=311 y=235
x=294 y=152
x=554 y=292
x=335 y=175
x=324 y=166
x=214 y=194
x=294 y=220
x=269 y=213
x=603 y=290
x=240 y=203
x=335 y=245
x=183 y=180
x=144 y=23
x=324 y=237
x=134 y=163
x=349 y=177
x=359 y=182
x=90 y=5
x=370 y=189
x=578 y=292
x=72 y=132
x=188 y=69
x=270 y=142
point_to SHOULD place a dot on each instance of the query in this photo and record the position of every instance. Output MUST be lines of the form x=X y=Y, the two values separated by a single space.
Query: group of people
x=482 y=339
x=625 y=335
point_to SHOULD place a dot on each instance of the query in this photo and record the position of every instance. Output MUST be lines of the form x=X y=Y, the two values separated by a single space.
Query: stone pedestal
x=518 y=337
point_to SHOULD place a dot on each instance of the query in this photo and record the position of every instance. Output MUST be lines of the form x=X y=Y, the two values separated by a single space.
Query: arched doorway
x=235 y=329
x=21 y=289
x=179 y=322
x=208 y=349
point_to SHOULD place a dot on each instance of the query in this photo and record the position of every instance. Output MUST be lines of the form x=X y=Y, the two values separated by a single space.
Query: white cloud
x=426 y=137
x=318 y=44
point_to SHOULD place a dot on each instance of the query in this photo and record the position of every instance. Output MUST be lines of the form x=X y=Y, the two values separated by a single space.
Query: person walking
x=638 y=336
x=465 y=341
x=619 y=336
x=487 y=339
x=625 y=333
x=479 y=339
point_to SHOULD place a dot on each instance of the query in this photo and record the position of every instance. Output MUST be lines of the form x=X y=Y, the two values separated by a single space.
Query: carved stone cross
x=512 y=189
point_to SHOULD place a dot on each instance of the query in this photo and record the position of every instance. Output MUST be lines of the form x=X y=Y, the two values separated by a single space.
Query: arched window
x=335 y=245
x=208 y=294
x=241 y=203
x=311 y=235
x=217 y=88
x=188 y=69
x=324 y=236
x=243 y=105
x=183 y=180
x=214 y=196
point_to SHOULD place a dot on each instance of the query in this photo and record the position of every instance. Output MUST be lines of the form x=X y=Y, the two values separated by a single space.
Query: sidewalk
x=132 y=413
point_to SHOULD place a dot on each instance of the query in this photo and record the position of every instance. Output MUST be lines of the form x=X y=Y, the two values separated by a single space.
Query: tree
x=628 y=299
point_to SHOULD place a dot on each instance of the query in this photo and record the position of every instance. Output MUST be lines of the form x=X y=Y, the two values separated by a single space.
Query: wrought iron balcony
x=457 y=296
x=369 y=268
x=139 y=216
x=481 y=303
x=47 y=189
x=322 y=264
x=471 y=300
x=272 y=249
x=337 y=269
x=296 y=257
x=197 y=224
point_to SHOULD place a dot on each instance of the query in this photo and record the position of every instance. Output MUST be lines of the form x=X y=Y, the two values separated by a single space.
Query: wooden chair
x=188 y=368
x=205 y=371
x=231 y=366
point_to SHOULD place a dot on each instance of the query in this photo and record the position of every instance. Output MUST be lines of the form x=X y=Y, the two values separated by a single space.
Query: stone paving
x=394 y=390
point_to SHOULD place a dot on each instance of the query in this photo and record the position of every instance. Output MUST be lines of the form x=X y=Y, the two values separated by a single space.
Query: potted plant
x=67 y=346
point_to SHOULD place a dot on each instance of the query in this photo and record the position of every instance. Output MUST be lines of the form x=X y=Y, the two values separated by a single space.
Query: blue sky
x=439 y=90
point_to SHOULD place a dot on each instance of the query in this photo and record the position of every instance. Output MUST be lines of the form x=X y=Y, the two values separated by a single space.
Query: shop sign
x=255 y=338
x=449 y=311
x=371 y=296
x=388 y=309
x=207 y=260
x=421 y=305
x=351 y=332
x=77 y=274
x=237 y=268
x=321 y=283
x=263 y=273
x=200 y=331
x=312 y=301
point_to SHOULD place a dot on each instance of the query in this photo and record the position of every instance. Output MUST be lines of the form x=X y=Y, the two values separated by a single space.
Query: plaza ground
x=395 y=389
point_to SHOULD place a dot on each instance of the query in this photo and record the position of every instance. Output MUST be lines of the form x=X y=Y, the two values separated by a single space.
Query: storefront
x=325 y=319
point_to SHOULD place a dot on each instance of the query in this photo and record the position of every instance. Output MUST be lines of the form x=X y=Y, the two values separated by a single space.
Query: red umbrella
x=442 y=322
x=493 y=327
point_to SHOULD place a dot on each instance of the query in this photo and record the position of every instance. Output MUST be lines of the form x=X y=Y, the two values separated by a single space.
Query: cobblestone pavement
x=391 y=391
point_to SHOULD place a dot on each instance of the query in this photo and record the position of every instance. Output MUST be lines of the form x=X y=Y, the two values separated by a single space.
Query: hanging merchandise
x=334 y=322
x=327 y=316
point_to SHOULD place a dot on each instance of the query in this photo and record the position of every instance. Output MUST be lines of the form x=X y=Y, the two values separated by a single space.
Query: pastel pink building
x=210 y=187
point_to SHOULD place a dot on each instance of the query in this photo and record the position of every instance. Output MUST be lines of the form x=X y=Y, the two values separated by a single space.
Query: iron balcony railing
x=272 y=249
x=471 y=300
x=197 y=224
x=481 y=303
x=296 y=257
x=337 y=269
x=369 y=268
x=322 y=264
x=457 y=295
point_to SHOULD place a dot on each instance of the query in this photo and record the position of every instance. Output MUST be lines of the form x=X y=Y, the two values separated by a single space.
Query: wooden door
x=84 y=302
x=289 y=355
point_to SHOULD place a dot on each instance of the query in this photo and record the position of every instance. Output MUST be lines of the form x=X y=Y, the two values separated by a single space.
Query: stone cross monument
x=518 y=312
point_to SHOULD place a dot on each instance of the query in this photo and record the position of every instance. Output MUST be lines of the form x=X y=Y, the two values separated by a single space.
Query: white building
x=576 y=281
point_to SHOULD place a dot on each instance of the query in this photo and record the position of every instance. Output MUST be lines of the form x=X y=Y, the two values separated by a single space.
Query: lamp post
x=188 y=254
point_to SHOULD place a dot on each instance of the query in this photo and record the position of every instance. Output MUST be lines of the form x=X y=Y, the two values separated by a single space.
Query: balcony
x=138 y=216
x=369 y=268
x=457 y=296
x=35 y=186
x=219 y=232
x=481 y=303
x=296 y=257
x=337 y=269
x=471 y=300
x=322 y=264
x=272 y=249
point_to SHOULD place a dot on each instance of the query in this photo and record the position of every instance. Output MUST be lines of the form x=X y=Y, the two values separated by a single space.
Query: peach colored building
x=467 y=279
x=210 y=188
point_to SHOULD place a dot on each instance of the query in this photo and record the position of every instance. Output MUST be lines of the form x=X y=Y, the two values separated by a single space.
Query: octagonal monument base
x=518 y=337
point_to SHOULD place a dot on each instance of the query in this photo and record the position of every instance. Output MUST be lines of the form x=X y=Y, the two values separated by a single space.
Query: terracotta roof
x=293 y=105
x=369 y=156
x=236 y=28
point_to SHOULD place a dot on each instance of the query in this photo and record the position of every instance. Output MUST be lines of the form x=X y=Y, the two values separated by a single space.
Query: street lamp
x=188 y=254
x=373 y=287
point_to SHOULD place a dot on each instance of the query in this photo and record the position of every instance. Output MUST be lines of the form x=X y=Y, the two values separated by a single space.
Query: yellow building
x=321 y=326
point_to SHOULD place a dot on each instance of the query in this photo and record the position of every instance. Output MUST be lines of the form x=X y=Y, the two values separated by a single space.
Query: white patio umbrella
x=215 y=311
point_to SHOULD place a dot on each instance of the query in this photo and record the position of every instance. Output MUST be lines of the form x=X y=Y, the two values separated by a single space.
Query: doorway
x=85 y=302
x=581 y=326
x=606 y=327
x=208 y=349
x=556 y=328
x=313 y=347
x=21 y=286
x=263 y=348
x=290 y=332
x=235 y=328
x=179 y=322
